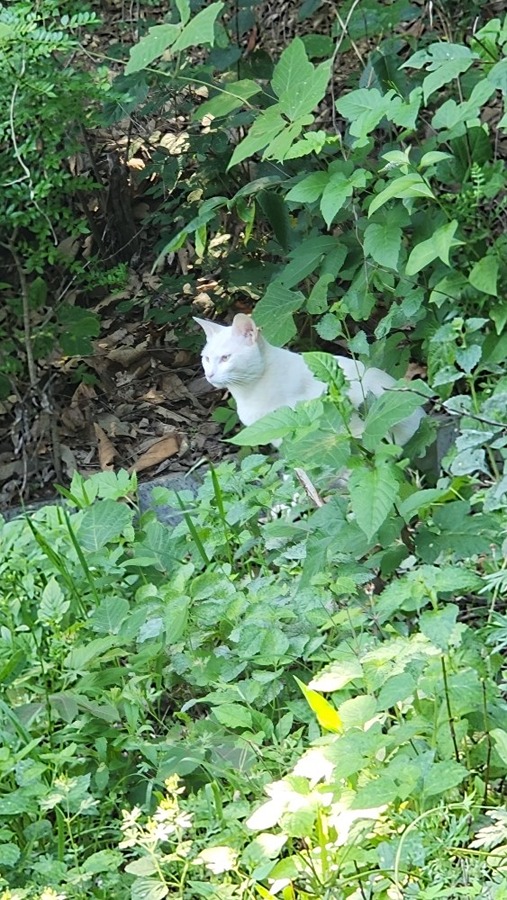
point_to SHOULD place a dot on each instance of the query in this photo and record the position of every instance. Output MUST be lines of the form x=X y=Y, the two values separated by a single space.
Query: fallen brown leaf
x=107 y=451
x=158 y=452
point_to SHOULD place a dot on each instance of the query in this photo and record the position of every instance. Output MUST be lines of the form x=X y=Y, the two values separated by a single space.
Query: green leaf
x=372 y=496
x=311 y=142
x=309 y=189
x=318 y=302
x=419 y=501
x=10 y=852
x=53 y=605
x=279 y=147
x=109 y=615
x=151 y=46
x=432 y=157
x=498 y=314
x=326 y=368
x=265 y=128
x=484 y=275
x=233 y=715
x=439 y=625
x=103 y=522
x=143 y=867
x=437 y=246
x=383 y=243
x=364 y=108
x=498 y=76
x=500 y=739
x=445 y=73
x=411 y=185
x=305 y=259
x=148 y=889
x=386 y=411
x=183 y=7
x=200 y=29
x=275 y=209
x=451 y=114
x=335 y=193
x=298 y=84
x=102 y=861
x=274 y=313
x=442 y=777
x=275 y=425
x=231 y=97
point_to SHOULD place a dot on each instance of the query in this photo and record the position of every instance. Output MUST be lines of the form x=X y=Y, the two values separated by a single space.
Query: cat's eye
x=206 y=359
x=225 y=358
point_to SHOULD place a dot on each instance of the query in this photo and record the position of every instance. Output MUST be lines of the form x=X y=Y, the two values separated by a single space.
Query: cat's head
x=232 y=354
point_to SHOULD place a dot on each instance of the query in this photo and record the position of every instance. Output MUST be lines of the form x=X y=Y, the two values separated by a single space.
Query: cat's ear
x=209 y=328
x=246 y=327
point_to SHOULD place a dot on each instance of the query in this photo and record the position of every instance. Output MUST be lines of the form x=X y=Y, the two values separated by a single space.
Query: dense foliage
x=278 y=697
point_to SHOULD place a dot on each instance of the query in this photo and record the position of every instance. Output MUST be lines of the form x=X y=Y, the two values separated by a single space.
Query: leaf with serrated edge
x=372 y=496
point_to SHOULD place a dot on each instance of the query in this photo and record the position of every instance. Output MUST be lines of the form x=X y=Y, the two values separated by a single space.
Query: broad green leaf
x=183 y=7
x=468 y=357
x=420 y=501
x=442 y=777
x=274 y=426
x=326 y=368
x=298 y=84
x=274 y=313
x=10 y=852
x=439 y=625
x=327 y=716
x=500 y=740
x=275 y=209
x=337 y=675
x=305 y=259
x=53 y=605
x=372 y=496
x=231 y=97
x=437 y=246
x=103 y=861
x=438 y=54
x=103 y=522
x=412 y=185
x=383 y=243
x=200 y=29
x=309 y=189
x=433 y=157
x=109 y=615
x=106 y=712
x=143 y=867
x=312 y=142
x=318 y=302
x=335 y=193
x=280 y=145
x=233 y=715
x=364 y=108
x=151 y=46
x=264 y=130
x=484 y=275
x=450 y=114
x=445 y=73
x=498 y=76
x=392 y=407
x=498 y=314
x=148 y=889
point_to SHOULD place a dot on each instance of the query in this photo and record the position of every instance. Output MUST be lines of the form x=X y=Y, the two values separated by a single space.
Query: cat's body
x=262 y=378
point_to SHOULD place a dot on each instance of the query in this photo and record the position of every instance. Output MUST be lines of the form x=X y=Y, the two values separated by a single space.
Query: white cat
x=261 y=377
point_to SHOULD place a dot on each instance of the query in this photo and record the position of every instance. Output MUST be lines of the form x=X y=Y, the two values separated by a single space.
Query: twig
x=27 y=327
x=309 y=488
